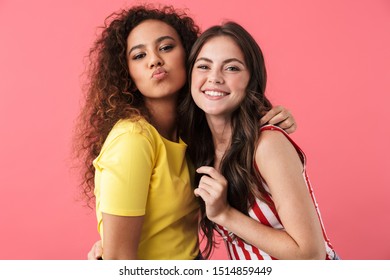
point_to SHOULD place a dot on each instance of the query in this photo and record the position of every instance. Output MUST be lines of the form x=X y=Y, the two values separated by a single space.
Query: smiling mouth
x=214 y=93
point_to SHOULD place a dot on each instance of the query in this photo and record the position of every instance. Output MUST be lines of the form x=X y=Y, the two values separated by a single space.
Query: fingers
x=285 y=121
x=291 y=129
x=212 y=189
x=90 y=256
x=202 y=193
x=212 y=185
x=271 y=114
x=212 y=172
x=281 y=117
x=96 y=251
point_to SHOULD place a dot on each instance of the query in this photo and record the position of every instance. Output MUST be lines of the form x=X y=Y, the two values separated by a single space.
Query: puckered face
x=156 y=59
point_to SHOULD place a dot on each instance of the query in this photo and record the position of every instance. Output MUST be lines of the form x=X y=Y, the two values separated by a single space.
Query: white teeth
x=214 y=93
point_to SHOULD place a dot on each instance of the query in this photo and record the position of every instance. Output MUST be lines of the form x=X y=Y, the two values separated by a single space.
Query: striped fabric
x=266 y=214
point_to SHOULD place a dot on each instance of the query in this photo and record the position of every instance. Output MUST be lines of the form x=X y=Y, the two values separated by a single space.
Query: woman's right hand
x=96 y=251
x=212 y=189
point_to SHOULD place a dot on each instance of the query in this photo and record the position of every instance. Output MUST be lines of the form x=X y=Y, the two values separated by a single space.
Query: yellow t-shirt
x=138 y=172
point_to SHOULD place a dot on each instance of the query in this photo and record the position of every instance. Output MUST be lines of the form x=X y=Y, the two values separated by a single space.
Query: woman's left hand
x=212 y=189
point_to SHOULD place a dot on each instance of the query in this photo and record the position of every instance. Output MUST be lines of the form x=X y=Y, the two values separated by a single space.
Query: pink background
x=328 y=61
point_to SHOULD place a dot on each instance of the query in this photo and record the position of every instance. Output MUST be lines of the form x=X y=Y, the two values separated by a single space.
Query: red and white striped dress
x=266 y=214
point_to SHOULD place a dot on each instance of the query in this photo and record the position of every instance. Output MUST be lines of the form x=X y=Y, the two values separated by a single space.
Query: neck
x=164 y=118
x=221 y=131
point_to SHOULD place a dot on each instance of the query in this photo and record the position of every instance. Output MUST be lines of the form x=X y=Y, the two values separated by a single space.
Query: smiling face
x=219 y=77
x=156 y=60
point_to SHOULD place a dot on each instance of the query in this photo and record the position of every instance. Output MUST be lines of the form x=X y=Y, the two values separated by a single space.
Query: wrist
x=223 y=218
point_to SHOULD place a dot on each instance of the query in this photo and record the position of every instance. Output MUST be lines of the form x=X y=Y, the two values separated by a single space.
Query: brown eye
x=139 y=56
x=166 y=48
x=232 y=68
x=202 y=67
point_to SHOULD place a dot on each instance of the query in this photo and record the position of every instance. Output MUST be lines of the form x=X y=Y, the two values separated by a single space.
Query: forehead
x=221 y=47
x=149 y=30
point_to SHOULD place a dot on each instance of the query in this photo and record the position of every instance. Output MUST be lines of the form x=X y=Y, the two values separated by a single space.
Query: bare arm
x=281 y=117
x=282 y=170
x=129 y=242
x=125 y=168
x=121 y=236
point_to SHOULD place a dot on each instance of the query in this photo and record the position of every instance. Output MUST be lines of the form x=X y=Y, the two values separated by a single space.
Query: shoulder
x=126 y=134
x=127 y=129
x=140 y=126
x=128 y=140
x=274 y=146
x=272 y=139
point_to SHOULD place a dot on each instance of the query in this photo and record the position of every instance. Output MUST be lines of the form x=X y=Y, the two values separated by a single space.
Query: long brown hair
x=237 y=163
x=110 y=93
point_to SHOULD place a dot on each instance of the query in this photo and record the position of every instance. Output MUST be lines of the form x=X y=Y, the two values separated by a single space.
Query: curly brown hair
x=110 y=93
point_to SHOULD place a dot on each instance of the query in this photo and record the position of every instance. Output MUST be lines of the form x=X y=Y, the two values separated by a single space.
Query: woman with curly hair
x=251 y=179
x=129 y=136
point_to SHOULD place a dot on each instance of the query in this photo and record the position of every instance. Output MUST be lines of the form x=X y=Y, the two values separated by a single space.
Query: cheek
x=183 y=74
x=242 y=83
x=180 y=69
x=192 y=84
x=179 y=60
x=196 y=81
x=134 y=74
x=195 y=89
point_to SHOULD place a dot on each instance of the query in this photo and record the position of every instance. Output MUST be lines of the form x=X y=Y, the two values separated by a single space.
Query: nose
x=155 y=60
x=215 y=77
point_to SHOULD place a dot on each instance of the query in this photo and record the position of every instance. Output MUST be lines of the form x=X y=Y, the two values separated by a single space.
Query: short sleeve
x=126 y=165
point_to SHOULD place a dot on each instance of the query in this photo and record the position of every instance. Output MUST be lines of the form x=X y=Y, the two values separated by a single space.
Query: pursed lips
x=159 y=73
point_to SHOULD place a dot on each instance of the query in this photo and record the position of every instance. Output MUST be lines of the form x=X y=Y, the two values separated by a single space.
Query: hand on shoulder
x=281 y=117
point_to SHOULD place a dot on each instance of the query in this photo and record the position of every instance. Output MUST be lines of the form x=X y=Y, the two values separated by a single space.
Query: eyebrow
x=158 y=40
x=225 y=61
